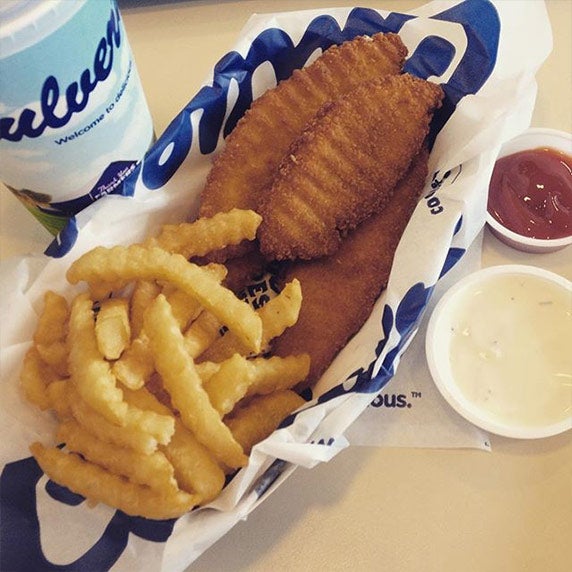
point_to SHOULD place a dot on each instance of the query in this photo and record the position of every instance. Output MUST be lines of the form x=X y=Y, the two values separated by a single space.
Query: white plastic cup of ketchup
x=530 y=191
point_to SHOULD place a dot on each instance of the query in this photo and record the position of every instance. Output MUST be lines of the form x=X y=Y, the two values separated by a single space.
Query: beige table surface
x=370 y=508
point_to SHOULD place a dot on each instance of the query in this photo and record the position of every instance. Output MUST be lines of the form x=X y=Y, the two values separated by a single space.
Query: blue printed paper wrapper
x=486 y=66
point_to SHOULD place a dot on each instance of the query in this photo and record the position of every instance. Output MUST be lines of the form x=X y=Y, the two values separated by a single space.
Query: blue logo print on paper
x=432 y=56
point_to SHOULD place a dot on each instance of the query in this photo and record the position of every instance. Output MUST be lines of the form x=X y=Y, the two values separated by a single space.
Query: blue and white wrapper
x=486 y=65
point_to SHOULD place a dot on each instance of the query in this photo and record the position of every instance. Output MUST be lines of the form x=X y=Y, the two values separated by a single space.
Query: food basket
x=486 y=67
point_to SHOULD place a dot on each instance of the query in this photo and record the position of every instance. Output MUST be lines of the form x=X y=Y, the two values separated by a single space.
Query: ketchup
x=530 y=193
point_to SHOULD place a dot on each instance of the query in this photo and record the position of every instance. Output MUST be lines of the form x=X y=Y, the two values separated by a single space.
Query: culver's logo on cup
x=74 y=121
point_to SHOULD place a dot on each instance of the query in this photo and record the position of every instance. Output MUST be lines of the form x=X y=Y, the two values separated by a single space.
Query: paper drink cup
x=74 y=121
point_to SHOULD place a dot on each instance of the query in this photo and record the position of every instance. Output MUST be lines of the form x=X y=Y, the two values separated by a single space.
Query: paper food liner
x=485 y=55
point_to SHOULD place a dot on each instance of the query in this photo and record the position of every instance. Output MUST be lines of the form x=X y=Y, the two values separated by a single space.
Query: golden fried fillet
x=261 y=138
x=340 y=290
x=345 y=166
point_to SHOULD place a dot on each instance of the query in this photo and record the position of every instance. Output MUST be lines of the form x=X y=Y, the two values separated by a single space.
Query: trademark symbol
x=415 y=394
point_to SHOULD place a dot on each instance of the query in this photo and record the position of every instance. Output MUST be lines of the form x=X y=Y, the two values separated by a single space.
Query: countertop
x=370 y=508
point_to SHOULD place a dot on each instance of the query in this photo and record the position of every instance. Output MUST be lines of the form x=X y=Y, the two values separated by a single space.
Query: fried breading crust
x=345 y=165
x=340 y=290
x=261 y=138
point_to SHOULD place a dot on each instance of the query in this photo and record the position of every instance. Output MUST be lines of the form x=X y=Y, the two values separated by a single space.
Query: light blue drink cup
x=74 y=121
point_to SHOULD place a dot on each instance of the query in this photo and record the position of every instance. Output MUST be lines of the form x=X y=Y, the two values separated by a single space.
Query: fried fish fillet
x=259 y=141
x=345 y=165
x=340 y=290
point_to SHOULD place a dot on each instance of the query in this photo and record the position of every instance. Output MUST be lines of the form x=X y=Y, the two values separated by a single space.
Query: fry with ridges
x=202 y=334
x=196 y=470
x=135 y=366
x=53 y=319
x=182 y=382
x=99 y=485
x=261 y=417
x=276 y=315
x=238 y=377
x=60 y=396
x=126 y=436
x=144 y=292
x=112 y=327
x=136 y=262
x=51 y=332
x=153 y=470
x=90 y=373
x=35 y=378
x=209 y=233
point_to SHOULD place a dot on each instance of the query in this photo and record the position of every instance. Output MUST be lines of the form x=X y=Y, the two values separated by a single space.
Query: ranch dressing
x=511 y=349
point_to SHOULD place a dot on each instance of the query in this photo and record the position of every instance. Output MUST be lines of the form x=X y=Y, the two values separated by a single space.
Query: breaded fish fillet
x=345 y=165
x=340 y=290
x=259 y=141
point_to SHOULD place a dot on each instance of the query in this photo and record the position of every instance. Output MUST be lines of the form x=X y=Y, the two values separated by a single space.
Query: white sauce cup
x=499 y=348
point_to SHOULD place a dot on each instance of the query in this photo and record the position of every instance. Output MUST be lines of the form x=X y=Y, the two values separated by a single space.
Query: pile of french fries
x=158 y=374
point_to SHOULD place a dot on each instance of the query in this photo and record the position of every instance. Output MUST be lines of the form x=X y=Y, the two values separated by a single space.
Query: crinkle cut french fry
x=155 y=386
x=135 y=366
x=201 y=334
x=262 y=416
x=56 y=356
x=35 y=378
x=196 y=470
x=206 y=370
x=102 y=289
x=60 y=397
x=184 y=386
x=278 y=373
x=282 y=311
x=153 y=470
x=144 y=399
x=112 y=327
x=136 y=262
x=144 y=292
x=229 y=384
x=184 y=307
x=160 y=426
x=51 y=332
x=149 y=416
x=126 y=436
x=97 y=484
x=205 y=235
x=238 y=377
x=90 y=373
x=276 y=315
x=53 y=319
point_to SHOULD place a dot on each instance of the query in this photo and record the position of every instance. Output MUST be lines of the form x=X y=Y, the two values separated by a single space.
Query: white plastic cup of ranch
x=74 y=121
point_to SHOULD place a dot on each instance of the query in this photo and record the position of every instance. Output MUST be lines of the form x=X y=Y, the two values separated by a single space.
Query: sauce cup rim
x=437 y=355
x=546 y=137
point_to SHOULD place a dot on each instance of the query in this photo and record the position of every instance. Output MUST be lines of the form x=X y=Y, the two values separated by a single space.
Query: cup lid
x=26 y=22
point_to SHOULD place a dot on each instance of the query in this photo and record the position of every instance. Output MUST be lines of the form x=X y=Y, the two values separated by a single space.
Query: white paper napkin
x=411 y=412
